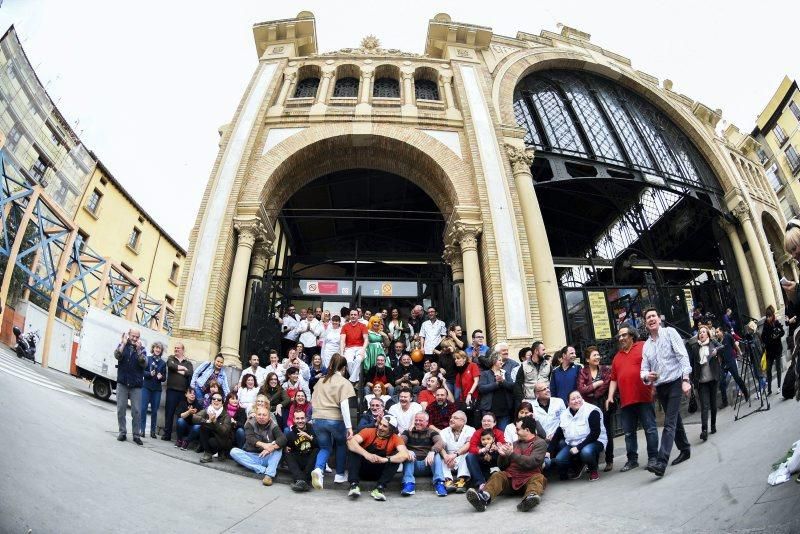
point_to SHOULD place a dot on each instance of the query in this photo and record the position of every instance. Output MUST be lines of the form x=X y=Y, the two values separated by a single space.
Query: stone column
x=249 y=229
x=288 y=81
x=750 y=296
x=365 y=93
x=544 y=274
x=408 y=108
x=467 y=237
x=449 y=98
x=262 y=252
x=321 y=101
x=742 y=212
x=452 y=257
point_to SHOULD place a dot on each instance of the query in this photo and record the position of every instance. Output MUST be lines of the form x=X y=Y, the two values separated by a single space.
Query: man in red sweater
x=521 y=465
x=636 y=397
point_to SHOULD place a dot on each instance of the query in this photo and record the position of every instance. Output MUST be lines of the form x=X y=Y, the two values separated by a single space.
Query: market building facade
x=535 y=187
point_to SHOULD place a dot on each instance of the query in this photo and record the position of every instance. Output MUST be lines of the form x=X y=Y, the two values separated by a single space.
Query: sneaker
x=594 y=475
x=449 y=485
x=178 y=443
x=340 y=479
x=461 y=485
x=377 y=494
x=267 y=480
x=478 y=499
x=579 y=473
x=355 y=491
x=530 y=502
x=304 y=486
x=296 y=487
x=630 y=464
x=316 y=478
x=185 y=445
x=328 y=469
x=441 y=491
x=409 y=488
x=206 y=458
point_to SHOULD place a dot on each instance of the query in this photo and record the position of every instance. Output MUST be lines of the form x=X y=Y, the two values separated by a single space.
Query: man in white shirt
x=547 y=411
x=456 y=446
x=274 y=366
x=405 y=411
x=259 y=372
x=432 y=332
x=289 y=323
x=309 y=329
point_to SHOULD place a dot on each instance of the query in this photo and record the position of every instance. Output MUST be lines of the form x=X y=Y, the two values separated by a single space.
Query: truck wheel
x=101 y=389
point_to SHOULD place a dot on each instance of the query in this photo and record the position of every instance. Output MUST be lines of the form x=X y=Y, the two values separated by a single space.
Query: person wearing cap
x=373 y=454
x=424 y=445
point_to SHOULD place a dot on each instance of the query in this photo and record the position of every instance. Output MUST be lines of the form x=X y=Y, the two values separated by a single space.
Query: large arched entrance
x=629 y=204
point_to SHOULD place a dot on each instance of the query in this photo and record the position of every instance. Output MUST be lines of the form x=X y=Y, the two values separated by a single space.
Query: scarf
x=217 y=413
x=704 y=351
x=232 y=410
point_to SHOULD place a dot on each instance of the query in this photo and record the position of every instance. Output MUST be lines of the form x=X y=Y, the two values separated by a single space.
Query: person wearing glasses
x=635 y=397
x=216 y=429
x=478 y=347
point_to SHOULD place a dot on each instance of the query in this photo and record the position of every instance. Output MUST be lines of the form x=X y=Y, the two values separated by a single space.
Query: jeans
x=478 y=470
x=420 y=468
x=267 y=465
x=669 y=395
x=729 y=366
x=359 y=468
x=173 y=398
x=238 y=437
x=707 y=398
x=331 y=433
x=124 y=393
x=153 y=399
x=186 y=430
x=588 y=455
x=633 y=415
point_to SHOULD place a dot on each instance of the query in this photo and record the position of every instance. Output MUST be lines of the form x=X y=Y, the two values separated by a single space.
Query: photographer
x=727 y=361
x=772 y=338
x=132 y=358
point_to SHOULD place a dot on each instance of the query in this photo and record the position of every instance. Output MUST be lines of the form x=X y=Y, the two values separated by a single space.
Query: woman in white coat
x=331 y=340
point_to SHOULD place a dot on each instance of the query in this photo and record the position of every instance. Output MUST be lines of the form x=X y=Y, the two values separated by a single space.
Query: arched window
x=426 y=90
x=386 y=88
x=306 y=88
x=346 y=88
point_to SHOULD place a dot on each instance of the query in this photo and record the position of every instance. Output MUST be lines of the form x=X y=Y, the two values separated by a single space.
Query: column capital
x=520 y=158
x=290 y=76
x=250 y=230
x=741 y=211
x=328 y=74
x=465 y=234
x=726 y=224
x=367 y=74
x=407 y=75
x=452 y=254
x=446 y=77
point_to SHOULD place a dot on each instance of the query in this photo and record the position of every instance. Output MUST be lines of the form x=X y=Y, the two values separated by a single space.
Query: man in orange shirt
x=373 y=454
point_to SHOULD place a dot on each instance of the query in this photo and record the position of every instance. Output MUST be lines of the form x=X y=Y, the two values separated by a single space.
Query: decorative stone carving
x=521 y=158
x=465 y=234
x=462 y=52
x=370 y=42
x=741 y=211
x=371 y=46
x=249 y=230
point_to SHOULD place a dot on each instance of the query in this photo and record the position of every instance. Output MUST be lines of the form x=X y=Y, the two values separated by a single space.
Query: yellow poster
x=597 y=307
x=386 y=289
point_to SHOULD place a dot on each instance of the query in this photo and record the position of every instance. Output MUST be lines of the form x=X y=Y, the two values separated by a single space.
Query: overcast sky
x=147 y=83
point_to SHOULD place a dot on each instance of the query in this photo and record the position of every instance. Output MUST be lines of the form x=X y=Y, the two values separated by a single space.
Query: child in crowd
x=488 y=453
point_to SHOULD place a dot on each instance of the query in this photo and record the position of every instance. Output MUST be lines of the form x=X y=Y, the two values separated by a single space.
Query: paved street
x=63 y=471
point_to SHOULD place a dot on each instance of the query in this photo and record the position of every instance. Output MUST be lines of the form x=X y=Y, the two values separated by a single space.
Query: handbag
x=692 y=402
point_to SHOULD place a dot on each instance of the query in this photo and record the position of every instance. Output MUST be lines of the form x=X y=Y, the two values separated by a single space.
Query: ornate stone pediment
x=371 y=46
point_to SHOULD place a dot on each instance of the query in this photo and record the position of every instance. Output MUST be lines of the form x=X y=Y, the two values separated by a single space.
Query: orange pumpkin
x=417 y=356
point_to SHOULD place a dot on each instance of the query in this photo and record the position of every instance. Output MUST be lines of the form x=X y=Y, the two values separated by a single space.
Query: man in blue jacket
x=132 y=359
x=565 y=377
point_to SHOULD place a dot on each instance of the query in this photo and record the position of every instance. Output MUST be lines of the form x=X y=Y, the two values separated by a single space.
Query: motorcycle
x=26 y=344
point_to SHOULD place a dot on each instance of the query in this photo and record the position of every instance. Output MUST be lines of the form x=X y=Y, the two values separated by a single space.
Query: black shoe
x=137 y=440
x=658 y=469
x=304 y=486
x=682 y=457
x=703 y=435
x=630 y=464
x=122 y=437
x=153 y=435
x=165 y=437
x=529 y=503
x=651 y=464
x=713 y=429
x=296 y=486
x=478 y=499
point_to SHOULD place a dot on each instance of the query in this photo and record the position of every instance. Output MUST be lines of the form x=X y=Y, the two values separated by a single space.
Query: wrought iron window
x=795 y=110
x=426 y=90
x=585 y=115
x=794 y=159
x=94 y=201
x=780 y=135
x=346 y=88
x=306 y=88
x=38 y=169
x=386 y=88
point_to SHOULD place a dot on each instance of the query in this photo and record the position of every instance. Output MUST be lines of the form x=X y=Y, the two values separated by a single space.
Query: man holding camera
x=132 y=358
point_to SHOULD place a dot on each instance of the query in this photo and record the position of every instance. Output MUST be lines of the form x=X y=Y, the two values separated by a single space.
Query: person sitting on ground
x=584 y=438
x=455 y=438
x=379 y=392
x=238 y=417
x=521 y=465
x=213 y=388
x=300 y=402
x=547 y=410
x=301 y=450
x=380 y=373
x=404 y=410
x=407 y=371
x=525 y=409
x=374 y=413
x=248 y=390
x=278 y=398
x=593 y=383
x=295 y=383
x=424 y=445
x=263 y=445
x=184 y=428
x=373 y=454
x=215 y=429
x=439 y=412
x=478 y=472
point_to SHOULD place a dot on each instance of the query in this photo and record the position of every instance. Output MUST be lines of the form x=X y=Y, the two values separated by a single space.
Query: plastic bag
x=779 y=476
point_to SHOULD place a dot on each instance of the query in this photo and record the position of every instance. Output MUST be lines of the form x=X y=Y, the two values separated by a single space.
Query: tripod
x=750 y=376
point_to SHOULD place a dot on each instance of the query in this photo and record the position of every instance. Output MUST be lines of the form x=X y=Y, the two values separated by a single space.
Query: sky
x=147 y=84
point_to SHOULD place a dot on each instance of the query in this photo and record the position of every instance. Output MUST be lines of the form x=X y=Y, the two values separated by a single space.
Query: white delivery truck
x=100 y=335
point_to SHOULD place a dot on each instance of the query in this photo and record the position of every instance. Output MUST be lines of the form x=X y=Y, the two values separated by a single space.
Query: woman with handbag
x=772 y=336
x=593 y=381
x=705 y=376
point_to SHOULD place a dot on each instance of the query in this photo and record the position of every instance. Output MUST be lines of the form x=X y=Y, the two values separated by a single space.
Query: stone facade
x=464 y=149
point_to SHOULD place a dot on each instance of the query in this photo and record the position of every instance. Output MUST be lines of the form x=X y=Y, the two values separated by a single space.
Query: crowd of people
x=372 y=397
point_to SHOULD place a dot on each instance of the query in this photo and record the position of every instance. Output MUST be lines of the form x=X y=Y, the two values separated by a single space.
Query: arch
x=348 y=78
x=387 y=81
x=426 y=84
x=518 y=65
x=308 y=77
x=406 y=152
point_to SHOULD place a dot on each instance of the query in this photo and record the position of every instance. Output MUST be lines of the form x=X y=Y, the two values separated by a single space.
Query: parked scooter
x=26 y=344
